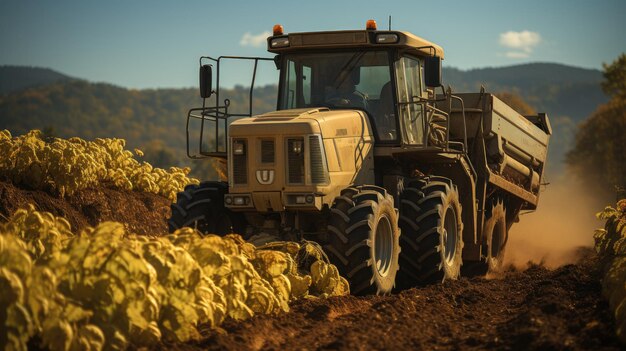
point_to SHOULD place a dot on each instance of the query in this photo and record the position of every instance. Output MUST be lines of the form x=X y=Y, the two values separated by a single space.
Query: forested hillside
x=154 y=120
x=550 y=87
x=568 y=94
x=598 y=152
x=16 y=78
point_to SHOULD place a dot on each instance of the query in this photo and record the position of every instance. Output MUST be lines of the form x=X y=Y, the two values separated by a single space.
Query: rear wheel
x=432 y=229
x=363 y=239
x=202 y=207
x=495 y=236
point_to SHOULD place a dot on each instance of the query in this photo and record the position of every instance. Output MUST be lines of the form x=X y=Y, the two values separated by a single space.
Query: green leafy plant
x=106 y=288
x=66 y=166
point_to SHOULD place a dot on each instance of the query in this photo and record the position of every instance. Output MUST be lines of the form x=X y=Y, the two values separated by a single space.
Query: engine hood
x=337 y=152
x=328 y=123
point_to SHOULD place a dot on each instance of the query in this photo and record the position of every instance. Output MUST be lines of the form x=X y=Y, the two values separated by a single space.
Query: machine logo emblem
x=265 y=176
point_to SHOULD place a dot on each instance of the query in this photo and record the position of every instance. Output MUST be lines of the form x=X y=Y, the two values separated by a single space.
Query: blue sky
x=152 y=44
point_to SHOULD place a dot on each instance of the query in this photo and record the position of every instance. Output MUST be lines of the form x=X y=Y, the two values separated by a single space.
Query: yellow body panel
x=347 y=146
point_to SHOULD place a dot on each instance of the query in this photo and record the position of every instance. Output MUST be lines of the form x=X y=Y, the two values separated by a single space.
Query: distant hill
x=548 y=87
x=151 y=119
x=91 y=110
x=154 y=120
x=16 y=78
x=568 y=94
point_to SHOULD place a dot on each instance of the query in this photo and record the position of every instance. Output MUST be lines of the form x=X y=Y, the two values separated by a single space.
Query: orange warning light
x=370 y=24
x=278 y=29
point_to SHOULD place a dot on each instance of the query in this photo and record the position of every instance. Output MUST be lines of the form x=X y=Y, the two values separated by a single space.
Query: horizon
x=71 y=76
x=154 y=45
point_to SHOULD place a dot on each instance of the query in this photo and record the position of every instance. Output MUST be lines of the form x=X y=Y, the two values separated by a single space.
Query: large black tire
x=431 y=224
x=495 y=236
x=202 y=207
x=363 y=239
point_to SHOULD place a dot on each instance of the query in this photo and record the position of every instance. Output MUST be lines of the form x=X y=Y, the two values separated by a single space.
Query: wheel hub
x=383 y=246
x=450 y=231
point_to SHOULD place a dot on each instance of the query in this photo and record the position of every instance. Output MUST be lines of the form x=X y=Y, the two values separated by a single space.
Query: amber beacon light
x=278 y=29
x=370 y=24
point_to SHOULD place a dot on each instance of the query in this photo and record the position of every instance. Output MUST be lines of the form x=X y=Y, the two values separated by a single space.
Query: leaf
x=57 y=335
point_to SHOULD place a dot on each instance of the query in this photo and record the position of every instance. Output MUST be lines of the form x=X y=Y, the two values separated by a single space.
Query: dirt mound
x=532 y=309
x=144 y=213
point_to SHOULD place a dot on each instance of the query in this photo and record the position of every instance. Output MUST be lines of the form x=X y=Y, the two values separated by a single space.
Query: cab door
x=409 y=89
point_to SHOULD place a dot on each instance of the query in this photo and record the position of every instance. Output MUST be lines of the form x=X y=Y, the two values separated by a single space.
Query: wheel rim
x=383 y=246
x=450 y=232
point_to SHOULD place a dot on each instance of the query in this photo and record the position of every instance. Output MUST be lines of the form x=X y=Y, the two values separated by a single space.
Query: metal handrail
x=219 y=112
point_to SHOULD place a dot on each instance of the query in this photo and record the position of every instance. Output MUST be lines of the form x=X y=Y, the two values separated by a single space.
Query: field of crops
x=105 y=287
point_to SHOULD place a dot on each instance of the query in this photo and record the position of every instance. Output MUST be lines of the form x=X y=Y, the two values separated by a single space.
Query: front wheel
x=364 y=239
x=202 y=207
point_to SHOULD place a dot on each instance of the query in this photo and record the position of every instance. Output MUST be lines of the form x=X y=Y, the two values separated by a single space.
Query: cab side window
x=410 y=89
x=298 y=90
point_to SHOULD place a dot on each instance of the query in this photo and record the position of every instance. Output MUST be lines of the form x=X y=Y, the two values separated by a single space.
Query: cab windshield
x=342 y=80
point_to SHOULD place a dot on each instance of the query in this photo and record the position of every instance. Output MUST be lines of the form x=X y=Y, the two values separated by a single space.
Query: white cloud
x=254 y=40
x=522 y=43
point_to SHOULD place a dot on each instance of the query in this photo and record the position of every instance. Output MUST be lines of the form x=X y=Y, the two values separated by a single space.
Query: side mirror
x=432 y=71
x=277 y=61
x=206 y=81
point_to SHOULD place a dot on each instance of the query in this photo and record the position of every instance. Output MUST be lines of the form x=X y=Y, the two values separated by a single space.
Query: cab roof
x=355 y=39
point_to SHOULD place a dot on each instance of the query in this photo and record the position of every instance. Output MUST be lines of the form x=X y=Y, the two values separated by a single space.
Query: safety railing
x=215 y=118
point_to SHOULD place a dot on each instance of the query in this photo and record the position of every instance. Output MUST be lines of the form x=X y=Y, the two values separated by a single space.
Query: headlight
x=279 y=42
x=296 y=147
x=234 y=200
x=239 y=147
x=300 y=200
x=386 y=38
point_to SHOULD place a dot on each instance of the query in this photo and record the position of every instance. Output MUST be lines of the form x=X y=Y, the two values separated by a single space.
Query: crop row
x=66 y=166
x=106 y=288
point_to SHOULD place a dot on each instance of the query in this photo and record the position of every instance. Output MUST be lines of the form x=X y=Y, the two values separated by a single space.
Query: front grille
x=267 y=151
x=295 y=162
x=240 y=165
x=318 y=174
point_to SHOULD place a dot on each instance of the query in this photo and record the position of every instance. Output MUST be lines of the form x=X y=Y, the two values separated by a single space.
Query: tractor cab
x=381 y=73
x=390 y=76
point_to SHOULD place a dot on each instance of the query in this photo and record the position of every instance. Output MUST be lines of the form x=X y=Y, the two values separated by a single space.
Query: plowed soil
x=534 y=309
x=530 y=309
x=144 y=213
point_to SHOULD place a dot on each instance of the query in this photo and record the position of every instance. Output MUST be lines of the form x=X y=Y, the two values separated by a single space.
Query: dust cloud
x=563 y=223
